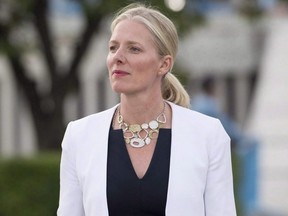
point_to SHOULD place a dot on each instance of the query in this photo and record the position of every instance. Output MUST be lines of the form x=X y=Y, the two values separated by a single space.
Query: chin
x=119 y=90
x=124 y=88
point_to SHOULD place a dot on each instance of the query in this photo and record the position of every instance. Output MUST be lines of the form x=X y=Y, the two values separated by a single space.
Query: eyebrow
x=127 y=42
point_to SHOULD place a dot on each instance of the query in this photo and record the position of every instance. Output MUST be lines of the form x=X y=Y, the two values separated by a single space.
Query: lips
x=119 y=73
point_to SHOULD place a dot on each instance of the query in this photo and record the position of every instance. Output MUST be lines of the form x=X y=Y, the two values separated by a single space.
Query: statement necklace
x=140 y=135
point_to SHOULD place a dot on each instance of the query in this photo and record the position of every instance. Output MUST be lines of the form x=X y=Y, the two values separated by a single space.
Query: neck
x=139 y=110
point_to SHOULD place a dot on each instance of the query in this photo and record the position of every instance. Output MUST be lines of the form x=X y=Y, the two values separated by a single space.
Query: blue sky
x=64 y=7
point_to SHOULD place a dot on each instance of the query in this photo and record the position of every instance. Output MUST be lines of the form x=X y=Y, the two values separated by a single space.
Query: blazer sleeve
x=70 y=198
x=219 y=195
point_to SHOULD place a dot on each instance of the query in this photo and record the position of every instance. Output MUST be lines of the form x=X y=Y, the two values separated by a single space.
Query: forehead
x=132 y=30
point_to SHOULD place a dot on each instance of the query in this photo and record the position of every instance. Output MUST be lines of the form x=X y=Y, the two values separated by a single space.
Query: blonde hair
x=166 y=40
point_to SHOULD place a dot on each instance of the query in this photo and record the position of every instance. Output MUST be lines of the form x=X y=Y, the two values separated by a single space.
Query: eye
x=112 y=48
x=135 y=49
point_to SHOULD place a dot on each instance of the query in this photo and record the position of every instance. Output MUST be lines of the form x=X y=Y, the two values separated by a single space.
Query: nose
x=119 y=57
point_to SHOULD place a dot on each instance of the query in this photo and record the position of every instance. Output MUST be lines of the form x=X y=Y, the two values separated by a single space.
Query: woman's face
x=133 y=62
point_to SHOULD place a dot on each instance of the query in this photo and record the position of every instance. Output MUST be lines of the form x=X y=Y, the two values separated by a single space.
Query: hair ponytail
x=173 y=91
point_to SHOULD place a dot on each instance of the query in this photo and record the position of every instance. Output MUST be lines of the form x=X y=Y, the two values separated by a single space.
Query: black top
x=127 y=195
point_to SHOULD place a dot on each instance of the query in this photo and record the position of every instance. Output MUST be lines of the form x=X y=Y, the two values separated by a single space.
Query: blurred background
x=233 y=60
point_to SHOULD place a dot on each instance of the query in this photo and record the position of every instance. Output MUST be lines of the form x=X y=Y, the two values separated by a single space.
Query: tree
x=47 y=107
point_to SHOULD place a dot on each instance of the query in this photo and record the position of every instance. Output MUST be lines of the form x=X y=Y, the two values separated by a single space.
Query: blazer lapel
x=174 y=173
x=187 y=165
x=96 y=163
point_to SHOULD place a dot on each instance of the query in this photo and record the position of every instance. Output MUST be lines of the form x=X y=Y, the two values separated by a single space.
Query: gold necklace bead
x=135 y=128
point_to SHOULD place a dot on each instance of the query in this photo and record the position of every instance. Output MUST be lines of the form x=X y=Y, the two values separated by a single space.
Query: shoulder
x=96 y=118
x=82 y=130
x=86 y=126
x=193 y=122
x=192 y=116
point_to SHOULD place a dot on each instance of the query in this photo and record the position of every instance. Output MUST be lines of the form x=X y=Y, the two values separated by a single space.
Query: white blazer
x=200 y=177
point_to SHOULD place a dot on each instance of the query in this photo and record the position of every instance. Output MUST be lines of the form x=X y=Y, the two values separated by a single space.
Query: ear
x=166 y=64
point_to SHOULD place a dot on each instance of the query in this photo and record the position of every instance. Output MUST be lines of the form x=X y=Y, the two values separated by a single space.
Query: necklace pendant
x=123 y=126
x=153 y=124
x=137 y=142
x=127 y=140
x=144 y=126
x=147 y=140
x=128 y=134
x=161 y=118
x=153 y=134
x=143 y=134
x=120 y=119
x=139 y=135
x=135 y=128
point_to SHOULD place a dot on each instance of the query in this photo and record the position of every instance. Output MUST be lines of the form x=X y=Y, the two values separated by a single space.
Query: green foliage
x=29 y=187
x=251 y=11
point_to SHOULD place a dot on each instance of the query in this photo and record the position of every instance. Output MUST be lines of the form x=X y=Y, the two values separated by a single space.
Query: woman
x=150 y=154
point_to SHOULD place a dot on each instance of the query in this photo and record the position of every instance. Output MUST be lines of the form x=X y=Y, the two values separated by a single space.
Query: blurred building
x=268 y=118
x=250 y=62
x=252 y=86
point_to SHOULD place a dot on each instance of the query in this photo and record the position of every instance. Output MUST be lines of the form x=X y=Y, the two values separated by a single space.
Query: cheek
x=108 y=61
x=145 y=63
x=109 y=65
x=150 y=65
